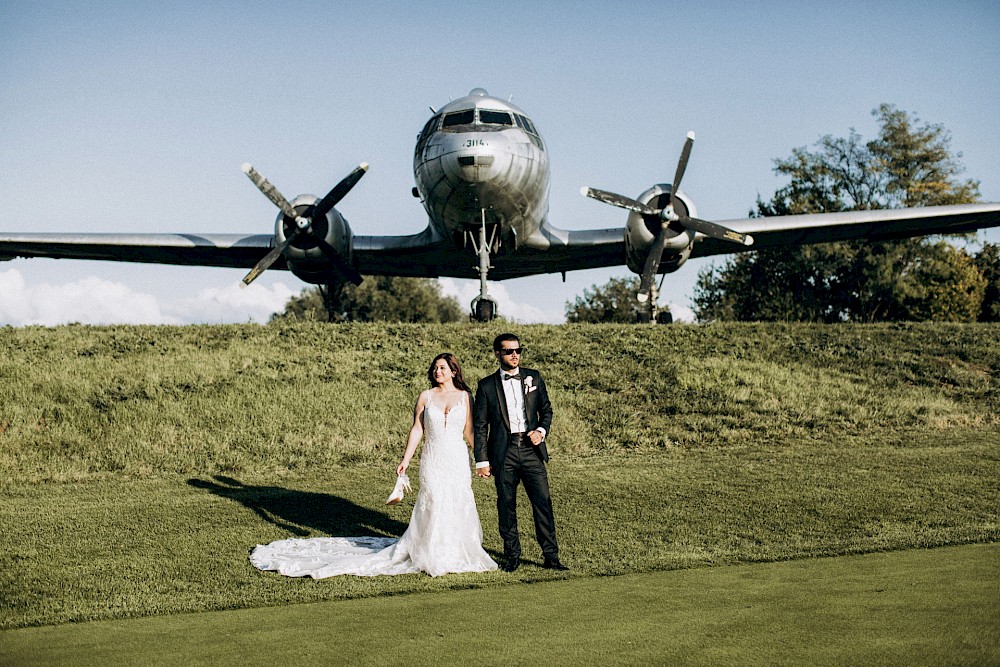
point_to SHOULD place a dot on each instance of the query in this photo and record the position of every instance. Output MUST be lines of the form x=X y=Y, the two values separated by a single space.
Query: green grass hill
x=139 y=465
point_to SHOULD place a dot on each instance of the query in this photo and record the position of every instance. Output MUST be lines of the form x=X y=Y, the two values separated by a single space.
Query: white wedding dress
x=444 y=534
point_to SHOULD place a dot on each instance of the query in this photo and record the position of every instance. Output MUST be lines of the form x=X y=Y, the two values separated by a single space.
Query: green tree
x=943 y=285
x=988 y=263
x=377 y=299
x=907 y=164
x=612 y=302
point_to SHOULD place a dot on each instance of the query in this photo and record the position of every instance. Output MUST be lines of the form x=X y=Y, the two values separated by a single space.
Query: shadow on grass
x=303 y=512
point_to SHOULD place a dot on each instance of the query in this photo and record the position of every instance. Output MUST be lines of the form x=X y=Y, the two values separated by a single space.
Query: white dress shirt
x=513 y=391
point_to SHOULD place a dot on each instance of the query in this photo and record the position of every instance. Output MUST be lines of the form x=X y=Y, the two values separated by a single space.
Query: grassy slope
x=79 y=401
x=140 y=464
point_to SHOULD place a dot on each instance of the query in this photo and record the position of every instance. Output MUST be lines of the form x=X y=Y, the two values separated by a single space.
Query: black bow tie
x=512 y=376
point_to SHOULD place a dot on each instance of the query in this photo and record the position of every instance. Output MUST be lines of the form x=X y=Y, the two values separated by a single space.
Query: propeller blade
x=341 y=263
x=681 y=168
x=652 y=263
x=340 y=190
x=716 y=231
x=269 y=191
x=269 y=259
x=621 y=201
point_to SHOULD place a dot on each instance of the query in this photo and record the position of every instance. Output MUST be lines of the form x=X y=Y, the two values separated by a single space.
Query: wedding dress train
x=444 y=534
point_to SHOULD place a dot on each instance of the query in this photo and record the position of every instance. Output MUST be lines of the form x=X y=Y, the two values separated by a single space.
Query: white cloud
x=232 y=303
x=88 y=301
x=681 y=313
x=93 y=300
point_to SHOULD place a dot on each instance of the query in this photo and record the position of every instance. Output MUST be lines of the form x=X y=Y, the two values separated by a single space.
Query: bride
x=444 y=533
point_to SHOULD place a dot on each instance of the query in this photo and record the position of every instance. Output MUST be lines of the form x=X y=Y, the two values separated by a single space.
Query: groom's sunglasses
x=511 y=350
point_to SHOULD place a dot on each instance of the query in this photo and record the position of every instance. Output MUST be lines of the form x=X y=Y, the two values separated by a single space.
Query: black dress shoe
x=554 y=564
x=511 y=564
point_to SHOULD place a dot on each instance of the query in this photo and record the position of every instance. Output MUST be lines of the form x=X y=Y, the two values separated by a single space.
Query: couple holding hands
x=507 y=424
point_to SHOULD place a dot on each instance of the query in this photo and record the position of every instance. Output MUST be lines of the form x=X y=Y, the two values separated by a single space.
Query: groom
x=512 y=417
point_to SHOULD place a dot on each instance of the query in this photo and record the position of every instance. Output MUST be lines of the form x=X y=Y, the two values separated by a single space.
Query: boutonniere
x=527 y=385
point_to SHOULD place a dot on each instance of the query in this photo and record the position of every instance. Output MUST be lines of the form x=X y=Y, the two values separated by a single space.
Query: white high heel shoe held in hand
x=402 y=483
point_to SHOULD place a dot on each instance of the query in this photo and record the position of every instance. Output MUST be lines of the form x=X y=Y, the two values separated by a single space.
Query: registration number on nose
x=469 y=143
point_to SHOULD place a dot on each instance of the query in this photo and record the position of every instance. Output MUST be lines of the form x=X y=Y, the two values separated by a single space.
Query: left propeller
x=666 y=216
x=303 y=222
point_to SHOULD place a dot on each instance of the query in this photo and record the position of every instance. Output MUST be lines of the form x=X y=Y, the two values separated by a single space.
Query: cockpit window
x=487 y=117
x=429 y=127
x=532 y=133
x=467 y=117
x=426 y=133
x=497 y=120
x=525 y=124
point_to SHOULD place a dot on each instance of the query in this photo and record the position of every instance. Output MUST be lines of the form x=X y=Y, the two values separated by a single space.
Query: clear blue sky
x=135 y=117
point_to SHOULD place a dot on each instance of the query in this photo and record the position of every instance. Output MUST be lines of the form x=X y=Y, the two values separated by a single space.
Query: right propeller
x=303 y=223
x=666 y=216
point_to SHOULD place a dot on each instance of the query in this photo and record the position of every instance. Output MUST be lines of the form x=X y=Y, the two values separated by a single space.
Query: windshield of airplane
x=486 y=117
x=467 y=117
x=494 y=117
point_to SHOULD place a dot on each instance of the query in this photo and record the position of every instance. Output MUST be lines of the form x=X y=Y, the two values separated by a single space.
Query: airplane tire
x=485 y=310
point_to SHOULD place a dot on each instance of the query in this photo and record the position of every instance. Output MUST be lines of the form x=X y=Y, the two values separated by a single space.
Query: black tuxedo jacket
x=492 y=425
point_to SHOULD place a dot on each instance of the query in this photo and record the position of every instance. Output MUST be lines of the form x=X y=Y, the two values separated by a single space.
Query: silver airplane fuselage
x=480 y=159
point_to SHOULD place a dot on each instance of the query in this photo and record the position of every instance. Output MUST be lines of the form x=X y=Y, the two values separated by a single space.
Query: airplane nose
x=473 y=168
x=474 y=157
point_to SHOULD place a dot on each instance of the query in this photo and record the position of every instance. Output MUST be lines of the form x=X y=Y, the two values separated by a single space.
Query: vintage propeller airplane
x=482 y=174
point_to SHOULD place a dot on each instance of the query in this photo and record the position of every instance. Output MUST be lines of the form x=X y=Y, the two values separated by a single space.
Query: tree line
x=376 y=299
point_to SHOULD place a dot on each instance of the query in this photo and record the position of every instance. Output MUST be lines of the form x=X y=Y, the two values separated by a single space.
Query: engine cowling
x=641 y=231
x=304 y=256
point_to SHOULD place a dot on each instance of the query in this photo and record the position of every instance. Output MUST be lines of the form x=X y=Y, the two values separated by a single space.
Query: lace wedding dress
x=444 y=535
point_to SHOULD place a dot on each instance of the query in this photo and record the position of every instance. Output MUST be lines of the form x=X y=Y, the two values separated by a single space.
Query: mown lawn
x=916 y=607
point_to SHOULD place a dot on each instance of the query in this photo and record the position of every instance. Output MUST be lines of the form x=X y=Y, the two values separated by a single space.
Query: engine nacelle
x=304 y=256
x=641 y=231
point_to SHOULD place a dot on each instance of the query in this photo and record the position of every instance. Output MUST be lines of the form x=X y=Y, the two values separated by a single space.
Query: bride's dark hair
x=452 y=361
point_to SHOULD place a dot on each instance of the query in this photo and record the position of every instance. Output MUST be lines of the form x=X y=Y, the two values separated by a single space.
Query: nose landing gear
x=484 y=307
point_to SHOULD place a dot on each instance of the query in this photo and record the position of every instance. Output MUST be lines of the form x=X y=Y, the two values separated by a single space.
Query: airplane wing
x=556 y=250
x=550 y=250
x=225 y=250
x=881 y=225
x=426 y=254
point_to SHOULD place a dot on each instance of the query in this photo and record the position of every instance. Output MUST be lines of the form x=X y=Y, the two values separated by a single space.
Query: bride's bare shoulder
x=423 y=398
